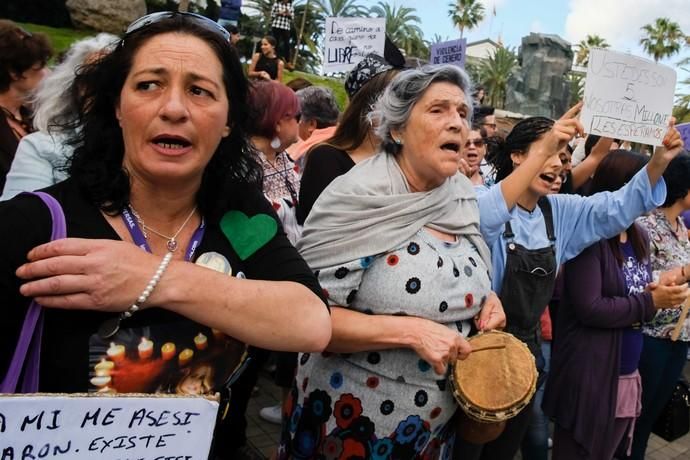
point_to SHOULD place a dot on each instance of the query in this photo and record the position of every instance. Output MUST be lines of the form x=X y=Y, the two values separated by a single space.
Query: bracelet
x=149 y=287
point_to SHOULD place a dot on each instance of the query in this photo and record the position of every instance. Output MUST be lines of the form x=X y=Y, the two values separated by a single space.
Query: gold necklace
x=171 y=244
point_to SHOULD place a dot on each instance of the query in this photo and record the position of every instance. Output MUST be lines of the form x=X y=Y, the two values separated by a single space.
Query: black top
x=68 y=346
x=269 y=65
x=324 y=163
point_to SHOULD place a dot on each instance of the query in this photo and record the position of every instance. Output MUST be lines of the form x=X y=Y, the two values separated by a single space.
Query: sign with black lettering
x=451 y=52
x=627 y=97
x=129 y=427
x=348 y=40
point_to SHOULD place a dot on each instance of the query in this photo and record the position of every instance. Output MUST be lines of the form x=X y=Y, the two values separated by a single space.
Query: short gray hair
x=393 y=108
x=53 y=101
x=318 y=103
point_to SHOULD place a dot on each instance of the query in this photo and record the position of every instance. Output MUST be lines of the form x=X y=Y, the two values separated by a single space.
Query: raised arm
x=672 y=146
x=586 y=168
x=540 y=151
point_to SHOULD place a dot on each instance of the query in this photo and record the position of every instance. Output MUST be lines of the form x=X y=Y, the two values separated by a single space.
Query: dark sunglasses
x=477 y=143
x=153 y=18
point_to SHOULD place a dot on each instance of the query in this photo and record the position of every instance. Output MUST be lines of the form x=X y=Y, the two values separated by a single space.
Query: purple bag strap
x=27 y=354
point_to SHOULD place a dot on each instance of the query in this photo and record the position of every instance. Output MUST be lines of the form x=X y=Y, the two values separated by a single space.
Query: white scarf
x=370 y=210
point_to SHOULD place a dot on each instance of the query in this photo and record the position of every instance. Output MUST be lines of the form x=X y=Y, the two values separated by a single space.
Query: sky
x=618 y=21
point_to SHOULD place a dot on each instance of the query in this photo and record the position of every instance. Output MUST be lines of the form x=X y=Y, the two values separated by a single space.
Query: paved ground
x=263 y=436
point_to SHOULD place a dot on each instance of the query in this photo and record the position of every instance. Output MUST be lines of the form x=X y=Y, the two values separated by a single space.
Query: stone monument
x=105 y=15
x=539 y=87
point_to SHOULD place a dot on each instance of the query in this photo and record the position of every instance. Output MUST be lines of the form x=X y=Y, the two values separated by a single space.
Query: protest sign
x=129 y=427
x=348 y=40
x=684 y=130
x=451 y=52
x=627 y=97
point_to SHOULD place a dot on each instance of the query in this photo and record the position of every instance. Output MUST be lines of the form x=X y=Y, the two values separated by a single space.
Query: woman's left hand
x=672 y=146
x=491 y=315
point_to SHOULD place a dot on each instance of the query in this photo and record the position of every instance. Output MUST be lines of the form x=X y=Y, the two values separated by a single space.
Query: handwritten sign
x=684 y=130
x=348 y=40
x=107 y=428
x=627 y=97
x=451 y=52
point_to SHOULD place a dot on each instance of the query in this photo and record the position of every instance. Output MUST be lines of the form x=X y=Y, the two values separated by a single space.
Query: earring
x=275 y=142
x=398 y=141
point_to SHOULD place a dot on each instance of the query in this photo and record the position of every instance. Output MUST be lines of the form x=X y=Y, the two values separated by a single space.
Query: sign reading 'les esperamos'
x=627 y=97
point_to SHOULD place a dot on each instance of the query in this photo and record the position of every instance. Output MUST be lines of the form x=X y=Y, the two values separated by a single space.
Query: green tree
x=681 y=109
x=494 y=73
x=466 y=14
x=309 y=52
x=662 y=39
x=263 y=7
x=591 y=41
x=340 y=8
x=402 y=27
x=576 y=81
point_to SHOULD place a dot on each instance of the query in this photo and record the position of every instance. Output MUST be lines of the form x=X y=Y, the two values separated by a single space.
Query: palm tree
x=663 y=39
x=494 y=73
x=591 y=41
x=263 y=7
x=466 y=14
x=308 y=52
x=340 y=8
x=402 y=27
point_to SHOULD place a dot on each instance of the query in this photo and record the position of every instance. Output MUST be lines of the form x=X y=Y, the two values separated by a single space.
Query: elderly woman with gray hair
x=41 y=157
x=389 y=241
x=318 y=121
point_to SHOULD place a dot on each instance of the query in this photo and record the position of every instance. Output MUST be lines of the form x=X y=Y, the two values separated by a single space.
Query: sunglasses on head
x=477 y=143
x=153 y=18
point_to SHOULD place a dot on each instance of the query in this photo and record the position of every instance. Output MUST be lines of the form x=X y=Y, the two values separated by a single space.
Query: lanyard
x=140 y=240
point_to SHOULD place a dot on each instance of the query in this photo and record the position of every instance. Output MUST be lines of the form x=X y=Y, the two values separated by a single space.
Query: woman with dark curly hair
x=23 y=58
x=162 y=170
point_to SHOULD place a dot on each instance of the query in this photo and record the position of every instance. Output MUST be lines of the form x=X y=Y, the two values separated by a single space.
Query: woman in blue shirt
x=532 y=235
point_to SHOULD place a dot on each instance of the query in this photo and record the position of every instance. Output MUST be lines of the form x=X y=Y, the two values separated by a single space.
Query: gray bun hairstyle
x=393 y=108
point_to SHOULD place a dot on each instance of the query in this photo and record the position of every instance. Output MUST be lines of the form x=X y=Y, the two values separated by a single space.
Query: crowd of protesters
x=358 y=251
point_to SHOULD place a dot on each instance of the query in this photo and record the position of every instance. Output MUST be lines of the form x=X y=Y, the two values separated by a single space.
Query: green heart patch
x=247 y=235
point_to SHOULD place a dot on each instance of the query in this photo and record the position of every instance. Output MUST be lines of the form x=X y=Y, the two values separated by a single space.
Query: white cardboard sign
x=627 y=97
x=106 y=428
x=348 y=40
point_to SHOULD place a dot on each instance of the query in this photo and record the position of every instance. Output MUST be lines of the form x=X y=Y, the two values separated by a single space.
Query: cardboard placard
x=684 y=130
x=348 y=40
x=123 y=427
x=450 y=52
x=627 y=97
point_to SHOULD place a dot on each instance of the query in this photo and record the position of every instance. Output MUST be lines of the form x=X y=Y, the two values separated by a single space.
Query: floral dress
x=386 y=403
x=669 y=250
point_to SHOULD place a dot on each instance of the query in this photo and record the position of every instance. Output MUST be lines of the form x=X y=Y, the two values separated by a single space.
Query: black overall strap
x=545 y=206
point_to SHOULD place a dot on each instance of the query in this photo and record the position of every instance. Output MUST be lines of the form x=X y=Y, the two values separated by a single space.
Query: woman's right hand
x=86 y=274
x=562 y=132
x=668 y=296
x=438 y=345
